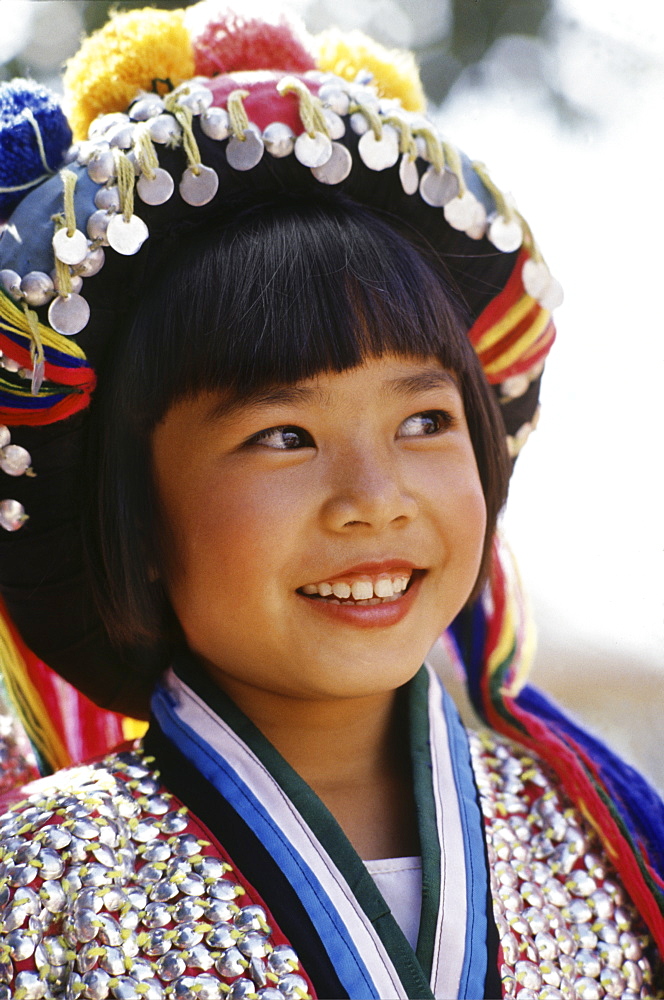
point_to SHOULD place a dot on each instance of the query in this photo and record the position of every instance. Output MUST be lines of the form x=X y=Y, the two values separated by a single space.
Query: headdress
x=204 y=103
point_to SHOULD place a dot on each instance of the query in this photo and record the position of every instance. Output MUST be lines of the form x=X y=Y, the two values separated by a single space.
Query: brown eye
x=425 y=424
x=285 y=438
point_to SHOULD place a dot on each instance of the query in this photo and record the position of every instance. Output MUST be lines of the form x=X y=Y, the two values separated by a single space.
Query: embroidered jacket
x=111 y=887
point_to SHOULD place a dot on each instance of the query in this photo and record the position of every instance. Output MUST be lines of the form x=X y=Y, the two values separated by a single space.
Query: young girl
x=290 y=297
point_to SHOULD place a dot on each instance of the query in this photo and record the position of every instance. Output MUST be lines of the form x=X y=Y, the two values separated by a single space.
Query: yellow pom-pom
x=125 y=56
x=394 y=70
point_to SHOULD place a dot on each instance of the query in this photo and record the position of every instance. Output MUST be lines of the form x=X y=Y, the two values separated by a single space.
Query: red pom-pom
x=225 y=41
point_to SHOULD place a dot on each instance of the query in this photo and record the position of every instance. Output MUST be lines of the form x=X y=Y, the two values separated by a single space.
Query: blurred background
x=563 y=99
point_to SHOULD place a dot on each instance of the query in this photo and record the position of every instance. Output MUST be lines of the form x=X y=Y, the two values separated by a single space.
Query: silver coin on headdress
x=198 y=185
x=244 y=154
x=337 y=168
x=155 y=190
x=313 y=150
x=69 y=314
x=70 y=249
x=126 y=236
x=408 y=174
x=379 y=154
x=505 y=234
x=438 y=187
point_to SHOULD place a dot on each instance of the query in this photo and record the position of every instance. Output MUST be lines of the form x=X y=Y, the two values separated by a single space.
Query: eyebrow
x=260 y=399
x=298 y=395
x=422 y=381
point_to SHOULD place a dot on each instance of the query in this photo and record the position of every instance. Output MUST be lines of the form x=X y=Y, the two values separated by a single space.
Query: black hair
x=282 y=290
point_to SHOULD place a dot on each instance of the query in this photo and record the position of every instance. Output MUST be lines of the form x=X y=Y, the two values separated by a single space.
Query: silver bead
x=279 y=139
x=147 y=106
x=92 y=264
x=359 y=123
x=11 y=282
x=102 y=124
x=101 y=166
x=97 y=226
x=121 y=136
x=198 y=100
x=332 y=96
x=12 y=515
x=14 y=460
x=37 y=288
x=165 y=129
x=215 y=123
x=335 y=124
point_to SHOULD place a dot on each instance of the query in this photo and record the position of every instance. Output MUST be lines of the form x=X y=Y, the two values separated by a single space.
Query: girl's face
x=296 y=519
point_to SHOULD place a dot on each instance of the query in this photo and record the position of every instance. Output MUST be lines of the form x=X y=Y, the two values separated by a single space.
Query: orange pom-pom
x=135 y=48
x=226 y=41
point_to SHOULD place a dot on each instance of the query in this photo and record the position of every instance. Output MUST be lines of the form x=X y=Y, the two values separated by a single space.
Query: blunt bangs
x=281 y=292
x=287 y=291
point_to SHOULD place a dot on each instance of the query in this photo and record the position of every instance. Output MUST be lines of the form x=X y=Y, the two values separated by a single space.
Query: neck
x=353 y=753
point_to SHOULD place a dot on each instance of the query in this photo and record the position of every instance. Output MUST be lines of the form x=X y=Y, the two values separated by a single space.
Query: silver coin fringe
x=120 y=156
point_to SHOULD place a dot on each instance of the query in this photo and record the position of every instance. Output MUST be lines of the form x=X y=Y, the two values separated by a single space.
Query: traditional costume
x=196 y=862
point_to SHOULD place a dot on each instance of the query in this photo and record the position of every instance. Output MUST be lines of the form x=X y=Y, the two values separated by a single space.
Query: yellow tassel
x=134 y=49
x=27 y=702
x=14 y=319
x=395 y=71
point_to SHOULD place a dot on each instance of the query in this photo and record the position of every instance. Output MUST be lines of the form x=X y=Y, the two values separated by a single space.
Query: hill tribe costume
x=195 y=863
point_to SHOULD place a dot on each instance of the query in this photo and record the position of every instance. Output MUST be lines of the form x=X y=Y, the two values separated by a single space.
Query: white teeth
x=383 y=587
x=362 y=590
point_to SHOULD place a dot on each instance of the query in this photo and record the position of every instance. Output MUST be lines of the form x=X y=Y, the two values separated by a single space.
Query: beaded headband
x=117 y=180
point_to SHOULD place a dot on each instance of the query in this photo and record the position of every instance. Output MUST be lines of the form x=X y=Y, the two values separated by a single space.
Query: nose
x=368 y=489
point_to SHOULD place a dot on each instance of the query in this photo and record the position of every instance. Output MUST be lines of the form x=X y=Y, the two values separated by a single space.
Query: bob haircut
x=282 y=290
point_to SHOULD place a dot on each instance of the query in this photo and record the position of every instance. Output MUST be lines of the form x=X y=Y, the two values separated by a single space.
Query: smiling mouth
x=362 y=590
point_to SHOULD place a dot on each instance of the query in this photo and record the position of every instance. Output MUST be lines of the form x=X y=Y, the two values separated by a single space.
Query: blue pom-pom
x=26 y=108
